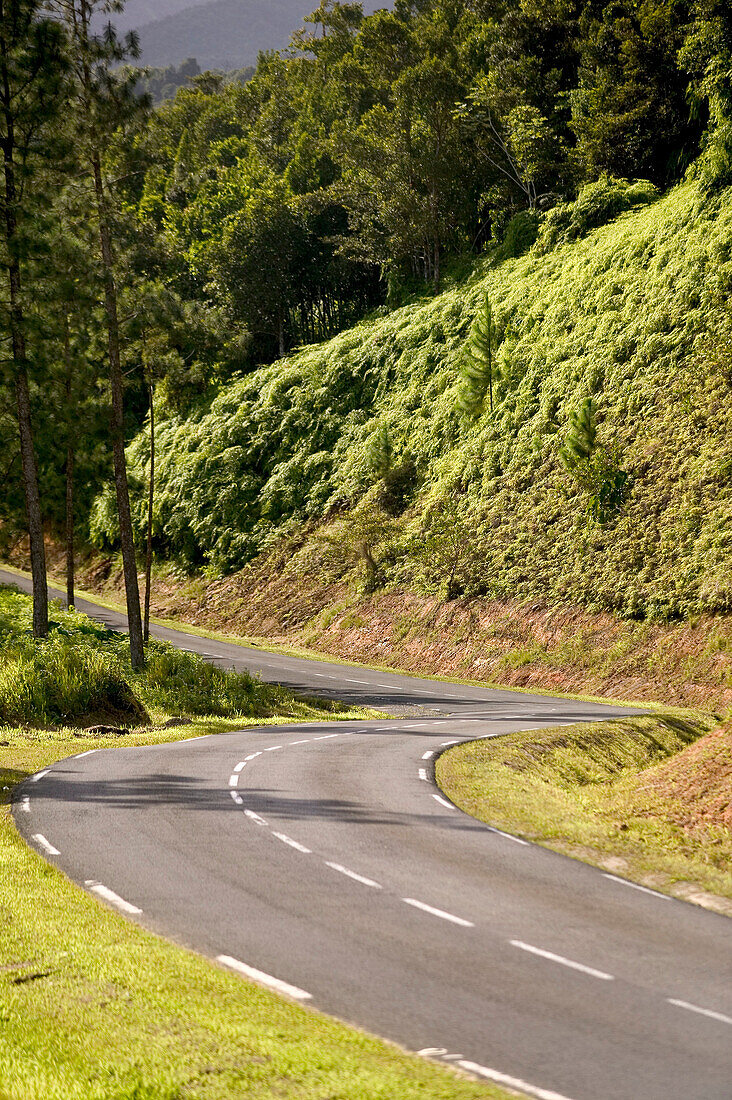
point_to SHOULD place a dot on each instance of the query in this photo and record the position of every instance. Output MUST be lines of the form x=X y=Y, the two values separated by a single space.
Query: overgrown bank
x=632 y=315
x=647 y=798
x=284 y=601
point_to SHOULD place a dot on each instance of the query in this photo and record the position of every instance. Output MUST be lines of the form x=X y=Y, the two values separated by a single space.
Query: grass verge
x=93 y=1007
x=604 y=792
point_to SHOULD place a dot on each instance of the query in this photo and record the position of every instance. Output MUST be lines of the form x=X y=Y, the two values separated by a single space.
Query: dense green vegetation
x=633 y=315
x=81 y=672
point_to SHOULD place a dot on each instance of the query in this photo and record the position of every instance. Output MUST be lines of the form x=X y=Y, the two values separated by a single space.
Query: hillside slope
x=633 y=314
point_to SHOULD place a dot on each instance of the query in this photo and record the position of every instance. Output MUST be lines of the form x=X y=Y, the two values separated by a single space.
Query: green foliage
x=82 y=671
x=633 y=313
x=380 y=451
x=596 y=204
x=581 y=441
x=478 y=370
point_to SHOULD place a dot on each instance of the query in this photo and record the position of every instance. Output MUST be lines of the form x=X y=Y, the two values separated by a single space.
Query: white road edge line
x=702 y=1011
x=39 y=775
x=292 y=843
x=264 y=979
x=237 y=797
x=443 y=743
x=509 y=1082
x=428 y=755
x=561 y=959
x=439 y=912
x=112 y=898
x=508 y=836
x=637 y=886
x=423 y=774
x=48 y=848
x=443 y=801
x=352 y=874
x=255 y=817
x=25 y=805
x=87 y=753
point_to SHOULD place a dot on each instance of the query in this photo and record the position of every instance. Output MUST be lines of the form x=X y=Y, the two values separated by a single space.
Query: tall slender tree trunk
x=150 y=505
x=129 y=565
x=70 y=463
x=281 y=334
x=22 y=389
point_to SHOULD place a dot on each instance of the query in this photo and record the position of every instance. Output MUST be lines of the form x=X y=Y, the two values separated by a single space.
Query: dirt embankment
x=563 y=649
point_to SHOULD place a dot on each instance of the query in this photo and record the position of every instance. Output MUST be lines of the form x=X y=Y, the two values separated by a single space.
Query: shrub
x=596 y=204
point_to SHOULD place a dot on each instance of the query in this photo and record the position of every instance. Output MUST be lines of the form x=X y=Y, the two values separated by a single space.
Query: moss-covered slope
x=633 y=314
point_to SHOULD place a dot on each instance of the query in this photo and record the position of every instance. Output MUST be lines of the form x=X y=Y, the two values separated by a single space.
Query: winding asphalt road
x=323 y=861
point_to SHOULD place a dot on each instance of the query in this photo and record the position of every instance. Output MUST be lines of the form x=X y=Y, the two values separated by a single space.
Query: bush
x=596 y=204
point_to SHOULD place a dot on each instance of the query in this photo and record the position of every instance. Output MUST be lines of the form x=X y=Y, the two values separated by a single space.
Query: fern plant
x=478 y=369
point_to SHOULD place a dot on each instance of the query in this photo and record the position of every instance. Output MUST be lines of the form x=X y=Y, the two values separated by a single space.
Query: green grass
x=634 y=313
x=94 y=1008
x=584 y=790
x=81 y=673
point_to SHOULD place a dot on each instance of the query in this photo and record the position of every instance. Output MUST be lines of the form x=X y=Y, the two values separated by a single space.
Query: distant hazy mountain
x=220 y=34
x=137 y=12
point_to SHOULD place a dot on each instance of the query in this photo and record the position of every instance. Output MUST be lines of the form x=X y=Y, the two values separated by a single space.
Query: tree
x=32 y=89
x=105 y=99
x=707 y=56
x=478 y=369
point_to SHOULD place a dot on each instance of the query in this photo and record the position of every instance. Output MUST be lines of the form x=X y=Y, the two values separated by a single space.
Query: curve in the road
x=323 y=860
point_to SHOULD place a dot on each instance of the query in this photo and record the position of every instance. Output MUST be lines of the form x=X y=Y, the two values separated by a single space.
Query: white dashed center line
x=264 y=979
x=292 y=843
x=701 y=1011
x=561 y=959
x=255 y=817
x=438 y=913
x=251 y=756
x=305 y=742
x=273 y=748
x=352 y=874
x=233 y=780
x=237 y=797
x=240 y=766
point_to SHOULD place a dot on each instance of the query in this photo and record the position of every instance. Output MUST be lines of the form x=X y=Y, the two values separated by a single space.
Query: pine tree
x=581 y=441
x=478 y=369
x=32 y=71
x=104 y=99
x=379 y=451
